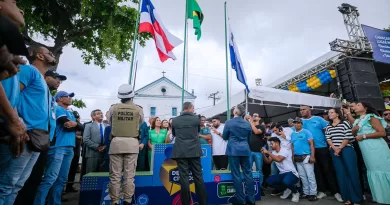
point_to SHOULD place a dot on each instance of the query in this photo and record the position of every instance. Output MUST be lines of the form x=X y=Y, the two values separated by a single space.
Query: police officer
x=125 y=119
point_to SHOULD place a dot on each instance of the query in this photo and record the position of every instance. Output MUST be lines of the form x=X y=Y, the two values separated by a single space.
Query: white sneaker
x=286 y=194
x=338 y=198
x=321 y=195
x=295 y=197
x=364 y=197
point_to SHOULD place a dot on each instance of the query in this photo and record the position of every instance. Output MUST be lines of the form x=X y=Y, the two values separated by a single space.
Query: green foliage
x=385 y=92
x=387 y=29
x=75 y=102
x=101 y=29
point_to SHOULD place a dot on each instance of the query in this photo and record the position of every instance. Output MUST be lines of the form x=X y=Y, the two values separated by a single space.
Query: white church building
x=162 y=98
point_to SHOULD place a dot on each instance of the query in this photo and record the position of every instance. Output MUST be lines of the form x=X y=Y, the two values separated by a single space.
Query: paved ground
x=267 y=200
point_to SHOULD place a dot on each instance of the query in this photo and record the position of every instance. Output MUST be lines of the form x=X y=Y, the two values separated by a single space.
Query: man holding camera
x=256 y=142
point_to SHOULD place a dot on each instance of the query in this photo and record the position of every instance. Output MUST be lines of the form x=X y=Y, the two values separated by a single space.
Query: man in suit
x=238 y=132
x=187 y=152
x=93 y=139
x=83 y=160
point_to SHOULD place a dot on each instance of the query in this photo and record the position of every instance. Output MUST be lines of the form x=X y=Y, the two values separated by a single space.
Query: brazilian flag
x=195 y=13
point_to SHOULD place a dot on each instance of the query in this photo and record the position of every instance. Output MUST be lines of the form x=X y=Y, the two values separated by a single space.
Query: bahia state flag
x=235 y=60
x=151 y=23
x=195 y=13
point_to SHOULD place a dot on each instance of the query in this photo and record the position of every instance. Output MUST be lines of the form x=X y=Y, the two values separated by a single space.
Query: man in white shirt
x=220 y=158
x=288 y=176
x=283 y=134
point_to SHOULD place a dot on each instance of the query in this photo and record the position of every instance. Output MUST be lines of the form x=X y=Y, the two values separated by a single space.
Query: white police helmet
x=125 y=91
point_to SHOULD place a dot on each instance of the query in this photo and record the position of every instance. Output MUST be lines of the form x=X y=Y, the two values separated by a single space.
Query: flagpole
x=135 y=42
x=184 y=54
x=227 y=69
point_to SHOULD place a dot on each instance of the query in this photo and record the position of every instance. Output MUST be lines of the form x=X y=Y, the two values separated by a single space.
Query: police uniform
x=124 y=148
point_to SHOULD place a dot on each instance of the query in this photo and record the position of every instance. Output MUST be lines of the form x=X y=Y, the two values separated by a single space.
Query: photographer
x=256 y=142
x=283 y=135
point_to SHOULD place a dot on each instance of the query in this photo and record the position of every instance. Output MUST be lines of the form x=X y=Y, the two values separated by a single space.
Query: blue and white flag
x=236 y=60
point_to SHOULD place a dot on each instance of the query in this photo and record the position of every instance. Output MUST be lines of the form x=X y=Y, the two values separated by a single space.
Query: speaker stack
x=357 y=81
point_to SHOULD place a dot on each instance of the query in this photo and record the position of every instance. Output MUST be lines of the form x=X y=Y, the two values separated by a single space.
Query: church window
x=152 y=111
x=174 y=111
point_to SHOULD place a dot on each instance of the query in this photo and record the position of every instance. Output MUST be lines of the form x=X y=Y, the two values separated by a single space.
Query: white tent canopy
x=273 y=103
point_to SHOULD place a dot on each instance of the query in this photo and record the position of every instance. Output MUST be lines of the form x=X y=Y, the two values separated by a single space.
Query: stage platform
x=161 y=186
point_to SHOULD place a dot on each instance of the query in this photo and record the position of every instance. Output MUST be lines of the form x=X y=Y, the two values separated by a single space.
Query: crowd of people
x=345 y=153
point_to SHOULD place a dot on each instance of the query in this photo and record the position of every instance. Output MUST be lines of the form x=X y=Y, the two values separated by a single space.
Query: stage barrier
x=161 y=186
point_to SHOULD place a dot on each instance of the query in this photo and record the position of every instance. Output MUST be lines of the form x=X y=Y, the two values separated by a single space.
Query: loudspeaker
x=357 y=81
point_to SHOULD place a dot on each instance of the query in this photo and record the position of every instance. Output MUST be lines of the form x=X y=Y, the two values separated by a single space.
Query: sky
x=273 y=37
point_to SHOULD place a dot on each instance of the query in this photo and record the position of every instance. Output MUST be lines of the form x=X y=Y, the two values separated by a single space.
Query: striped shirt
x=338 y=133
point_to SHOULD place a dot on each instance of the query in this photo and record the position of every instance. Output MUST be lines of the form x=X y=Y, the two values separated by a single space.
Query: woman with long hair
x=165 y=125
x=156 y=136
x=170 y=138
x=369 y=130
x=339 y=137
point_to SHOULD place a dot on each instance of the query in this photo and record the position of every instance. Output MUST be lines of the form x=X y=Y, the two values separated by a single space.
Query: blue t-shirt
x=300 y=140
x=33 y=104
x=204 y=131
x=12 y=90
x=316 y=126
x=63 y=137
x=52 y=115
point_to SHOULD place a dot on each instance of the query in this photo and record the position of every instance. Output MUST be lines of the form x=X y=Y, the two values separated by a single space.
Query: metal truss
x=356 y=44
x=313 y=71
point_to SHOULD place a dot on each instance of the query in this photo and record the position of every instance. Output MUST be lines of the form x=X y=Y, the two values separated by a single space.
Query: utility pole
x=215 y=97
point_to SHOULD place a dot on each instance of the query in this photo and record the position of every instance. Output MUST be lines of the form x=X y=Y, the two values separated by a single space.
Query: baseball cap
x=298 y=119
x=125 y=91
x=290 y=120
x=61 y=94
x=54 y=74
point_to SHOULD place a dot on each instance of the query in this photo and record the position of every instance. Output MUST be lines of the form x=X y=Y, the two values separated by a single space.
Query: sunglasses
x=255 y=116
x=386 y=114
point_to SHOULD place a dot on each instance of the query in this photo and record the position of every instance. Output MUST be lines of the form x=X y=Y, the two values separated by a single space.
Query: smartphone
x=306 y=159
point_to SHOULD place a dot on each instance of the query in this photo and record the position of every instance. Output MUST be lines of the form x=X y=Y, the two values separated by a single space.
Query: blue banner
x=380 y=41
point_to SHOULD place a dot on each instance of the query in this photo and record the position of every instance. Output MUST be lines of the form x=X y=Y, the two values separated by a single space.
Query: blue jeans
x=57 y=169
x=274 y=169
x=258 y=158
x=283 y=181
x=14 y=172
x=308 y=178
x=235 y=163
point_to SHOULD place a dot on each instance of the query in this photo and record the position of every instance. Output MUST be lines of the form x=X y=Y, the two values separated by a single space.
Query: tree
x=387 y=29
x=101 y=29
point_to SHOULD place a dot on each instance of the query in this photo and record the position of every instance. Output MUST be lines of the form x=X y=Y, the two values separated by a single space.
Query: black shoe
x=312 y=198
x=126 y=203
x=64 y=200
x=71 y=190
x=250 y=203
x=276 y=192
x=238 y=204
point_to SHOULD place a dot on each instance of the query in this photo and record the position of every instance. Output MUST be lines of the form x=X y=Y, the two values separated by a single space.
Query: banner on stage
x=380 y=41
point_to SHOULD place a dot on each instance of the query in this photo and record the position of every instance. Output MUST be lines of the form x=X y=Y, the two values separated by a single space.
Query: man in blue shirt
x=238 y=132
x=304 y=157
x=205 y=133
x=61 y=152
x=12 y=130
x=27 y=194
x=33 y=108
x=323 y=169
